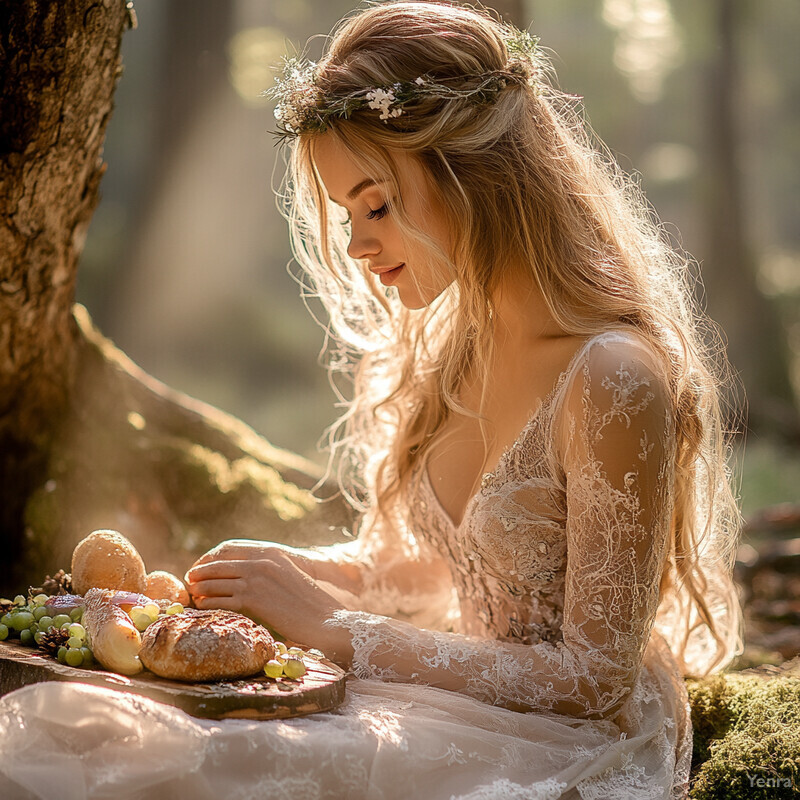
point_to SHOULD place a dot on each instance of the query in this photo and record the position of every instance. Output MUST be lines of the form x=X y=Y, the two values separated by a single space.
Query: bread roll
x=114 y=640
x=206 y=646
x=163 y=585
x=107 y=560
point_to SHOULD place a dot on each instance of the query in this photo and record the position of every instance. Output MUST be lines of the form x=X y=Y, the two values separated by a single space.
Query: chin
x=413 y=304
x=414 y=301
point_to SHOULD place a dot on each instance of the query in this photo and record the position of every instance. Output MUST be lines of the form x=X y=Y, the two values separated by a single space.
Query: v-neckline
x=531 y=419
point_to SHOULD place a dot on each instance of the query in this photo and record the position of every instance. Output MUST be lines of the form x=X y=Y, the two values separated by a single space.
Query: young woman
x=534 y=440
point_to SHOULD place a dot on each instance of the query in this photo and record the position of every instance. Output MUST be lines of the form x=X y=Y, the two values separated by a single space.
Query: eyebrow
x=359 y=187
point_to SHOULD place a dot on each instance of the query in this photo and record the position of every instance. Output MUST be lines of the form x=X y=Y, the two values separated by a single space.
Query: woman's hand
x=268 y=586
x=249 y=549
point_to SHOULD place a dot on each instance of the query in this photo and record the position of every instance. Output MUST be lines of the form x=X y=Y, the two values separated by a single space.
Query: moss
x=746 y=737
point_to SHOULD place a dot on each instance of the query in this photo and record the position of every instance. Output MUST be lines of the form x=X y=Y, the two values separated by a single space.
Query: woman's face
x=374 y=234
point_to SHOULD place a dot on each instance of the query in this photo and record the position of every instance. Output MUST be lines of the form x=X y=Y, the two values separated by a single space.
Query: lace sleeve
x=615 y=445
x=390 y=572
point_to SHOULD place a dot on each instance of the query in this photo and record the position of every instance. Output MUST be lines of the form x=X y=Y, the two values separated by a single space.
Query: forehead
x=341 y=172
x=336 y=166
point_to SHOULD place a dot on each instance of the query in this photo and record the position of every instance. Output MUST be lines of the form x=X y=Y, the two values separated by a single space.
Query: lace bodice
x=544 y=596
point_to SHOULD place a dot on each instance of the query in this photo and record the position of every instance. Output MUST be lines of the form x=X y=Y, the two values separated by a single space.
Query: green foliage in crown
x=302 y=106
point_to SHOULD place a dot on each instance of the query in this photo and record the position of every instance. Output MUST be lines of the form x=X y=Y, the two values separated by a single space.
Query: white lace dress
x=514 y=655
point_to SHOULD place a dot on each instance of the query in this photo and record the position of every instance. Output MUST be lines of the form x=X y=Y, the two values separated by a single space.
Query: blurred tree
x=87 y=439
x=516 y=12
x=757 y=344
x=192 y=69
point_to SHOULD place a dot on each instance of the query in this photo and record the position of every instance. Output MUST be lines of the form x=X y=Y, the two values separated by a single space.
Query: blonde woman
x=533 y=438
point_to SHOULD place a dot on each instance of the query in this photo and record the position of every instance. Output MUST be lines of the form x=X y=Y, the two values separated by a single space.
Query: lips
x=388 y=275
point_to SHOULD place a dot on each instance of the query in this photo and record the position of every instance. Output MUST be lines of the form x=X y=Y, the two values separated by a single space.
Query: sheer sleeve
x=385 y=570
x=614 y=443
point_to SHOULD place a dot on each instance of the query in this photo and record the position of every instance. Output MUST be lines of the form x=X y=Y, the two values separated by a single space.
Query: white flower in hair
x=382 y=99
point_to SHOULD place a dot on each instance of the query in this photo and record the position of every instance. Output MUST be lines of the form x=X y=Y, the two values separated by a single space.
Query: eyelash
x=376 y=214
x=379 y=213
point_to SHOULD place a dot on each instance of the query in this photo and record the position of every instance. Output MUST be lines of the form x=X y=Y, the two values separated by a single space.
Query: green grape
x=152 y=610
x=3 y=632
x=19 y=600
x=77 y=630
x=38 y=637
x=6 y=620
x=74 y=657
x=26 y=637
x=39 y=612
x=74 y=643
x=40 y=599
x=273 y=669
x=281 y=647
x=175 y=608
x=76 y=615
x=62 y=654
x=141 y=620
x=136 y=610
x=60 y=619
x=88 y=657
x=45 y=622
x=295 y=651
x=22 y=620
x=314 y=653
x=294 y=668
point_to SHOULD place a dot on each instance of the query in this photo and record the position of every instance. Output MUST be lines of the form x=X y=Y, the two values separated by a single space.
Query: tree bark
x=87 y=439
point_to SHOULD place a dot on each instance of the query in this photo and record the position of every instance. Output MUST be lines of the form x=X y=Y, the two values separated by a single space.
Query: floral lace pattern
x=557 y=562
x=511 y=656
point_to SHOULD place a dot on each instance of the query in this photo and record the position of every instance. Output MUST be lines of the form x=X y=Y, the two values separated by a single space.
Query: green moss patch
x=746 y=737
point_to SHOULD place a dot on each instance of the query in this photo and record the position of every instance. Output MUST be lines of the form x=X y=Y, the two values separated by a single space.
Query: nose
x=362 y=245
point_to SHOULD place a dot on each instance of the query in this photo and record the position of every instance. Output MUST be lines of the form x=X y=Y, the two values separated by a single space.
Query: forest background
x=187 y=265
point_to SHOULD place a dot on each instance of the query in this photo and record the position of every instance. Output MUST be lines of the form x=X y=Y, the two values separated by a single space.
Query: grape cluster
x=289 y=661
x=35 y=623
x=144 y=616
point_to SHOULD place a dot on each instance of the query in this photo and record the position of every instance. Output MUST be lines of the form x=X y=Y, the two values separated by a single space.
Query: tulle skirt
x=69 y=741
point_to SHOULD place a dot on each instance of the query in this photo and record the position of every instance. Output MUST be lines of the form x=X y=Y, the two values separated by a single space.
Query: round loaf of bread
x=206 y=646
x=162 y=585
x=107 y=560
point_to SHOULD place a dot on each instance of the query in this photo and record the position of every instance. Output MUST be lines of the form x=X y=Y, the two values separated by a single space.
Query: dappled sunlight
x=648 y=45
x=253 y=53
x=669 y=162
x=384 y=725
x=779 y=273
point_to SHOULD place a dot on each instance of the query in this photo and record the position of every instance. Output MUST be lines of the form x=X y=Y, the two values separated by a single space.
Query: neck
x=521 y=315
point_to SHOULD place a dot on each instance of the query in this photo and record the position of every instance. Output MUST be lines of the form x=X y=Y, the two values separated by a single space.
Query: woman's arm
x=618 y=457
x=381 y=571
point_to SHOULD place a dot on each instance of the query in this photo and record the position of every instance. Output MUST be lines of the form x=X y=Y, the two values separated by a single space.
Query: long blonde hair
x=522 y=181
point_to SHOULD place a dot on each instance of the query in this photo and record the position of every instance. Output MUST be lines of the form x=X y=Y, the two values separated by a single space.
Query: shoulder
x=618 y=374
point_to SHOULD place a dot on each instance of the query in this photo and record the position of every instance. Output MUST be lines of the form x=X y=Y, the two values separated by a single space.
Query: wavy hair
x=521 y=181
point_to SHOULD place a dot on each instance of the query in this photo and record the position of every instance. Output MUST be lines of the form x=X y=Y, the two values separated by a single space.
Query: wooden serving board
x=320 y=689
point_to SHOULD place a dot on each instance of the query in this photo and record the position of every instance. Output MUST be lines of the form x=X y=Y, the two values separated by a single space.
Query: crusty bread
x=163 y=585
x=107 y=560
x=206 y=646
x=114 y=640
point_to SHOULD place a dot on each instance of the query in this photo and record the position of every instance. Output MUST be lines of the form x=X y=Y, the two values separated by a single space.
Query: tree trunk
x=757 y=344
x=513 y=11
x=87 y=439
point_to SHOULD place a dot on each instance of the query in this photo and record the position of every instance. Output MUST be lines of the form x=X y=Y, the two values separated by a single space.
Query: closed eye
x=379 y=213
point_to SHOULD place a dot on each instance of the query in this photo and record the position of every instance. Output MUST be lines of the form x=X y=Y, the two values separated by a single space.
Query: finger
x=227 y=568
x=227 y=603
x=217 y=588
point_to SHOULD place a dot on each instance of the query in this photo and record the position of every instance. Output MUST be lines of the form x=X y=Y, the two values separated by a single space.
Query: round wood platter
x=320 y=689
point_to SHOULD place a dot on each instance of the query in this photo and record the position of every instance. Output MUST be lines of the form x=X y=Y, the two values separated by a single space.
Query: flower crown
x=304 y=107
